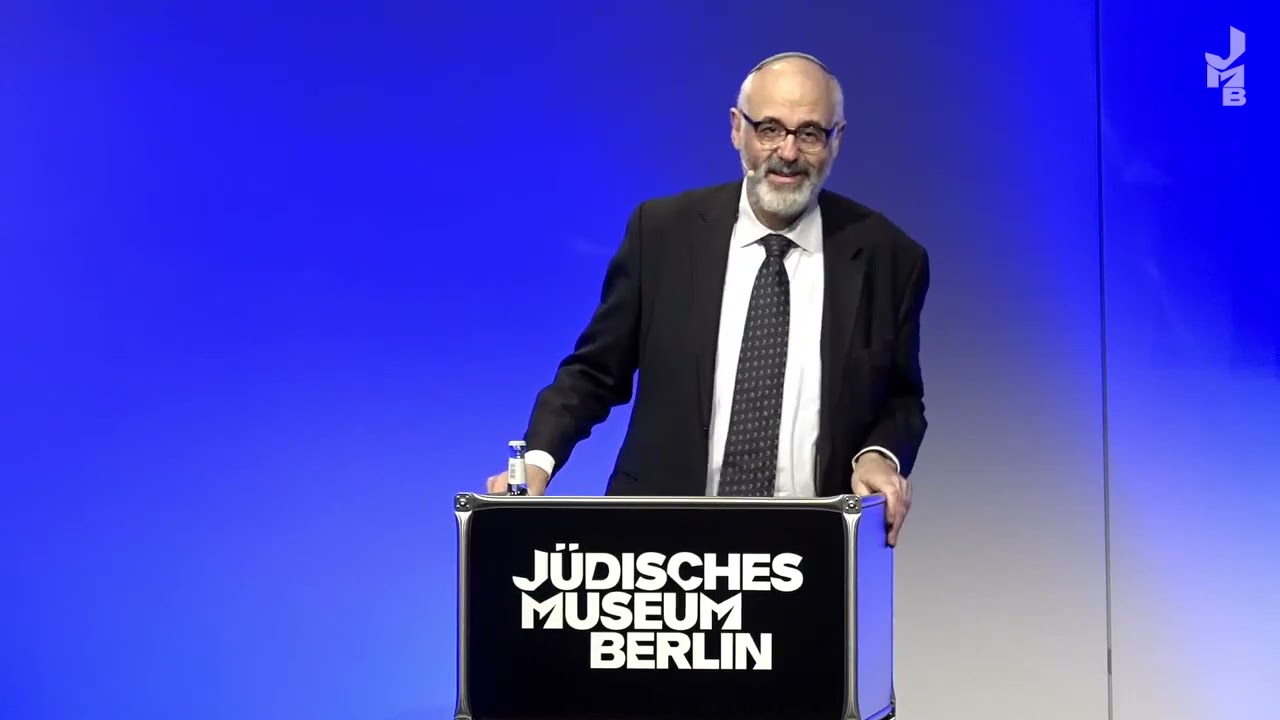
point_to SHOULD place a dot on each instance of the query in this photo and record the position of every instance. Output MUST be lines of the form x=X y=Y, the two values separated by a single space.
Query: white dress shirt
x=802 y=387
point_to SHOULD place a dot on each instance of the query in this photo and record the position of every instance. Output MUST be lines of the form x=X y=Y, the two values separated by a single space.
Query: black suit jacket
x=657 y=324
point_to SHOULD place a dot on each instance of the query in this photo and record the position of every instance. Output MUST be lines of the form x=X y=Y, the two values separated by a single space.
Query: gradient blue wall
x=1193 y=361
x=278 y=280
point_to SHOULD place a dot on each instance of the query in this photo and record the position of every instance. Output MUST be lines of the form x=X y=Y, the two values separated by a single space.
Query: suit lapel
x=710 y=250
x=843 y=271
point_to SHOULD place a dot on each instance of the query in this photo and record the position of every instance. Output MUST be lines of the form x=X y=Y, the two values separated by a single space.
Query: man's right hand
x=535 y=476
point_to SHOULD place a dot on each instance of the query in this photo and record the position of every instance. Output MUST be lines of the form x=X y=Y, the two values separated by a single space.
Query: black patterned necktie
x=750 y=464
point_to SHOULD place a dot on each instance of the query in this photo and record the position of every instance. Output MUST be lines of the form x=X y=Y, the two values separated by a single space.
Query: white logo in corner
x=1221 y=74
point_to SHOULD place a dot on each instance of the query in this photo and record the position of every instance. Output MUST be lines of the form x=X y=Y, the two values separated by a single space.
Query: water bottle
x=517 y=484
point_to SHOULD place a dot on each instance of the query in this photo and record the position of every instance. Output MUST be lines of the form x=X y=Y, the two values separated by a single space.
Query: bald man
x=774 y=326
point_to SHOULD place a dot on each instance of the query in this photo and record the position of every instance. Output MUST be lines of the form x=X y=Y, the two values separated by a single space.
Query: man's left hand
x=874 y=473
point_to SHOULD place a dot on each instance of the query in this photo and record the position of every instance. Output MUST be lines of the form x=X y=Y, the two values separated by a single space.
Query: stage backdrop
x=278 y=280
x=1192 y=358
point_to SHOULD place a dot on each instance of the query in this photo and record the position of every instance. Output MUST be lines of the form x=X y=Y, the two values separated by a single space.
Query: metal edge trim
x=463 y=505
x=840 y=503
x=851 y=517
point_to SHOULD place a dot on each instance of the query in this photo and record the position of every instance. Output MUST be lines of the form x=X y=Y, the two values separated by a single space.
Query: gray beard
x=786 y=203
x=783 y=202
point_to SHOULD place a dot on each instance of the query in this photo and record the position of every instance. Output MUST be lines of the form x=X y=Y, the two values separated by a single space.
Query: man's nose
x=788 y=150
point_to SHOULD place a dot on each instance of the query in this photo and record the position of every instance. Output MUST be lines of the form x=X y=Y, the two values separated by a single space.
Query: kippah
x=785 y=55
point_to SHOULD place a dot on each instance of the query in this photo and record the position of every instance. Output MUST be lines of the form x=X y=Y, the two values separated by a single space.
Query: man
x=774 y=326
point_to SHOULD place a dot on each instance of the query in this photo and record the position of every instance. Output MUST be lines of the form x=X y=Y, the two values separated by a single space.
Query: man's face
x=785 y=136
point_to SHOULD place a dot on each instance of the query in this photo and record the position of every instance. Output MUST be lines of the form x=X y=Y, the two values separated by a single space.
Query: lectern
x=680 y=608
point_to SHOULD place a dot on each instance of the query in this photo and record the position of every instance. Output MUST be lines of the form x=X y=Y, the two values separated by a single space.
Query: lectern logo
x=1222 y=74
x=635 y=622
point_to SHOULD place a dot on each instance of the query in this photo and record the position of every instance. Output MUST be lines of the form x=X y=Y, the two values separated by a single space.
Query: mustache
x=796 y=166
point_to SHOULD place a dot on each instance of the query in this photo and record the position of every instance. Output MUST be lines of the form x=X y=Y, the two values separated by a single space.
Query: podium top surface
x=849 y=503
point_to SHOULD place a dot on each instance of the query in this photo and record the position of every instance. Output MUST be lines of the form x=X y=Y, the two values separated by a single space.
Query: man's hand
x=535 y=476
x=874 y=473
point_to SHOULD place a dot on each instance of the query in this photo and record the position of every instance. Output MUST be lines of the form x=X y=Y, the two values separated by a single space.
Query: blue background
x=278 y=280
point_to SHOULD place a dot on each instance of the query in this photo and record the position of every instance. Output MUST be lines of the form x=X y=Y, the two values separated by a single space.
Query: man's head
x=787 y=127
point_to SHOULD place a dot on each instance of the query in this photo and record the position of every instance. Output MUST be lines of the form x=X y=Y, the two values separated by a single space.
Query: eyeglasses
x=810 y=137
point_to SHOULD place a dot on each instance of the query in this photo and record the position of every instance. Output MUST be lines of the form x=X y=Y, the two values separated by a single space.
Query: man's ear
x=735 y=129
x=836 y=139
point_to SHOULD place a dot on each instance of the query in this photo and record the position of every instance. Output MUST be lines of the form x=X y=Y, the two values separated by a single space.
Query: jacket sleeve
x=901 y=426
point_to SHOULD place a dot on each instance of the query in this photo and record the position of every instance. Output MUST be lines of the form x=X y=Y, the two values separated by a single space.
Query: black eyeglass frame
x=822 y=141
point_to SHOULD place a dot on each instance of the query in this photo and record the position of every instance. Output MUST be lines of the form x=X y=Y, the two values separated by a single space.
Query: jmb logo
x=1221 y=74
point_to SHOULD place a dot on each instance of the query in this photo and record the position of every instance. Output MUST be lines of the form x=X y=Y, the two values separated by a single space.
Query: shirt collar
x=805 y=232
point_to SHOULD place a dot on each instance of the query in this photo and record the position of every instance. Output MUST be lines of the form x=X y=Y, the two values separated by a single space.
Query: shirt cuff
x=541 y=460
x=897 y=466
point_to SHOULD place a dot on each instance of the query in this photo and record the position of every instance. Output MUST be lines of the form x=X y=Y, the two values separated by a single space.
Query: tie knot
x=776 y=246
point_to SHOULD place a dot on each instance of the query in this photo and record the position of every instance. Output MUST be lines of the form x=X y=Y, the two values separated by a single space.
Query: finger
x=893 y=513
x=495 y=483
x=896 y=530
x=903 y=509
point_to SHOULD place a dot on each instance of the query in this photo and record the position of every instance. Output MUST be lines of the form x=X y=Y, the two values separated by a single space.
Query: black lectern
x=687 y=608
